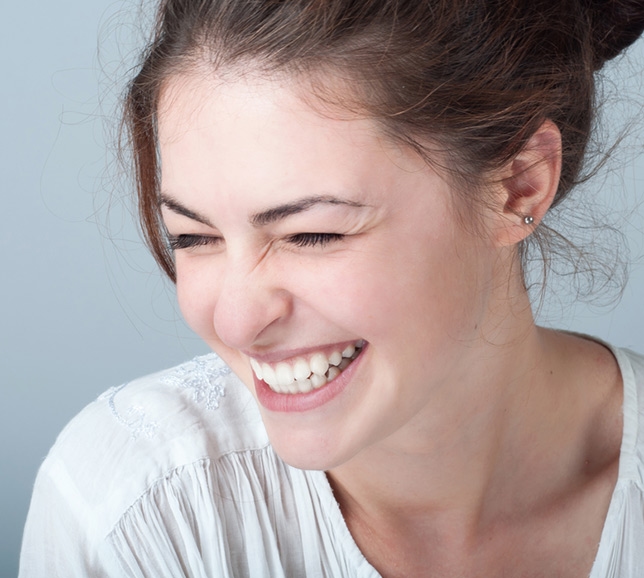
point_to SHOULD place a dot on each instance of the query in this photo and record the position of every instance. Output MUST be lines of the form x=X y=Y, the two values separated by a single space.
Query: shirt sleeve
x=61 y=538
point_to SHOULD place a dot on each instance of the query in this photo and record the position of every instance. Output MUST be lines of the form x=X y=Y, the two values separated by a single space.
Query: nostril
x=243 y=316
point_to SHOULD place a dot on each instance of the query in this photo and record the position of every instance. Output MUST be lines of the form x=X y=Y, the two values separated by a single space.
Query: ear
x=528 y=186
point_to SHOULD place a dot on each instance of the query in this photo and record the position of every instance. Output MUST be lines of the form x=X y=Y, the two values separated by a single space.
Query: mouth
x=306 y=373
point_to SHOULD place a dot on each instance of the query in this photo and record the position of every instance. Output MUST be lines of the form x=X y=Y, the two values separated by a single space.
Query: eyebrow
x=299 y=206
x=265 y=217
x=176 y=207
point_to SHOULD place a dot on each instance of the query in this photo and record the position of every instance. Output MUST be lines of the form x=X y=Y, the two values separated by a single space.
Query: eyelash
x=314 y=239
x=177 y=242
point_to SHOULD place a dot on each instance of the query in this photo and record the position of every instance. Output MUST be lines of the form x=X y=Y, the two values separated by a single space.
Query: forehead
x=251 y=133
x=251 y=107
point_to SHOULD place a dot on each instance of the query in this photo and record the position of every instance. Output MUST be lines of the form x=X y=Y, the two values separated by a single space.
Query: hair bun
x=616 y=25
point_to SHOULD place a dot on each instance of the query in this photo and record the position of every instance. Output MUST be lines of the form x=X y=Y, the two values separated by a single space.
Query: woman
x=342 y=192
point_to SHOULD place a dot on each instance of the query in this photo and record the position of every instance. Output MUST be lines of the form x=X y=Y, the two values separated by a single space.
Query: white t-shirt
x=173 y=475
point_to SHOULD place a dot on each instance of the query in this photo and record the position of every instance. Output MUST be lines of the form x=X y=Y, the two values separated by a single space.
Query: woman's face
x=313 y=248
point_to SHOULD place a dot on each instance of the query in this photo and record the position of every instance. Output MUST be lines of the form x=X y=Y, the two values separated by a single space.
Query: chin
x=307 y=450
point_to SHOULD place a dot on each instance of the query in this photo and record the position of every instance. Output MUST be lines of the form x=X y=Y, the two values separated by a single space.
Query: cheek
x=196 y=298
x=367 y=294
x=401 y=297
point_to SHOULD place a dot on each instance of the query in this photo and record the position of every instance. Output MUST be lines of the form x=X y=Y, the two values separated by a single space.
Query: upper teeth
x=301 y=375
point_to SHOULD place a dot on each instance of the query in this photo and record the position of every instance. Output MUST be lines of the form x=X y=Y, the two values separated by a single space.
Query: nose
x=251 y=306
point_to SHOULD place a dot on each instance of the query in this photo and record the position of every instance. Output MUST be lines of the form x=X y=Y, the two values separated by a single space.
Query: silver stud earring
x=528 y=220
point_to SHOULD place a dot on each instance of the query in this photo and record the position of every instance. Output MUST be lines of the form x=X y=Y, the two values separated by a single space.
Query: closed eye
x=314 y=239
x=177 y=242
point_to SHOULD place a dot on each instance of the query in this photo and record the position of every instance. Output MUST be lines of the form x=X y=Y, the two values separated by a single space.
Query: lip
x=301 y=402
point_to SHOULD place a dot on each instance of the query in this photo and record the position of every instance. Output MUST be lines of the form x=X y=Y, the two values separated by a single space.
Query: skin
x=468 y=442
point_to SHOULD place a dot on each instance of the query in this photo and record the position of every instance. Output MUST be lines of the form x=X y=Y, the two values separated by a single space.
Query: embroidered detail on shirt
x=133 y=418
x=203 y=375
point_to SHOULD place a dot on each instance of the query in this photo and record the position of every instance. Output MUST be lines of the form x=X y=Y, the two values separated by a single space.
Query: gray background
x=83 y=306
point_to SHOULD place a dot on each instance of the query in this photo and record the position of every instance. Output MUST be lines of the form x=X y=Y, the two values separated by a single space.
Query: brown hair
x=478 y=77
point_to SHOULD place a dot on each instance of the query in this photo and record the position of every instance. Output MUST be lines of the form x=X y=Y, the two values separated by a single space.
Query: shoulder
x=619 y=552
x=199 y=399
x=151 y=468
x=140 y=432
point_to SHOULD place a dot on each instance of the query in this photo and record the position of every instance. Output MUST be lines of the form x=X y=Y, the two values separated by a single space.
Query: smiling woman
x=342 y=192
x=253 y=243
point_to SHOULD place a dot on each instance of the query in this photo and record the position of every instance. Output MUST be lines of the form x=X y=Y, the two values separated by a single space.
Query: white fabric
x=172 y=475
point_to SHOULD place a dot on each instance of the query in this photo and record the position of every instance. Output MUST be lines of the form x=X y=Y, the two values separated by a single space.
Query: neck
x=479 y=450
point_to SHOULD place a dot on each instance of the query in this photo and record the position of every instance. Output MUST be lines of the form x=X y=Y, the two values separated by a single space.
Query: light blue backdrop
x=83 y=308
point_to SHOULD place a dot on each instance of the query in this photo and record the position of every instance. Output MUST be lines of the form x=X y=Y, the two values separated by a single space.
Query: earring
x=528 y=220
